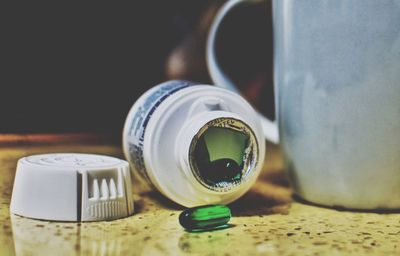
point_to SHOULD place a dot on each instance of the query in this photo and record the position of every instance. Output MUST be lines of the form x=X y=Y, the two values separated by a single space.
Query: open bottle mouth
x=223 y=154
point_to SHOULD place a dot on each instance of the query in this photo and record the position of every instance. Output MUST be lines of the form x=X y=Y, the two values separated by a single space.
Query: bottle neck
x=217 y=150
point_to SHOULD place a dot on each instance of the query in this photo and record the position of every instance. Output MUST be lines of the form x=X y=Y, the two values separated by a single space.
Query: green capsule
x=205 y=217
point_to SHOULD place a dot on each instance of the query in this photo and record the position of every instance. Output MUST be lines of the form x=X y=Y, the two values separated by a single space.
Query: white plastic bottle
x=196 y=144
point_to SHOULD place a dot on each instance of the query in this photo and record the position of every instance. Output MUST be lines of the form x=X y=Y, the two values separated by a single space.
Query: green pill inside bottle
x=205 y=217
x=219 y=156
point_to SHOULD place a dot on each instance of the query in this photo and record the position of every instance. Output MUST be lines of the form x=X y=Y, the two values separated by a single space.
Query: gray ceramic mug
x=337 y=89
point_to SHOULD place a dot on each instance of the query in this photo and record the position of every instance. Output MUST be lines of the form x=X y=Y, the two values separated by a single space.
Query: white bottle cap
x=72 y=187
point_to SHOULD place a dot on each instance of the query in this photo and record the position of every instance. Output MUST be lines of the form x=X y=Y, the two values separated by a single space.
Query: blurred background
x=80 y=67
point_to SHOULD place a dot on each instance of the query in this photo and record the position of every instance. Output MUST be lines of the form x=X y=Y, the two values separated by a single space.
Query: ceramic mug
x=337 y=94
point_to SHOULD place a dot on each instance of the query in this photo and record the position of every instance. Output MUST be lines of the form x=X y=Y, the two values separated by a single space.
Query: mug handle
x=270 y=128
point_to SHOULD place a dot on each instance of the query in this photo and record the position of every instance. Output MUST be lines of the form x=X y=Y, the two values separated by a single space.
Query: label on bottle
x=145 y=109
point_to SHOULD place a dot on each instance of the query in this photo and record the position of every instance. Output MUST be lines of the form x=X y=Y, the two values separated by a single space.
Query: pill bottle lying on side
x=196 y=144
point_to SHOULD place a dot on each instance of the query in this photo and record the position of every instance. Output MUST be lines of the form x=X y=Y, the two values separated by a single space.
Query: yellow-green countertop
x=266 y=221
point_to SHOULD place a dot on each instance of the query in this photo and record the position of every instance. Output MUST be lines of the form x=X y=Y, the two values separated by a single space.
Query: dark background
x=79 y=67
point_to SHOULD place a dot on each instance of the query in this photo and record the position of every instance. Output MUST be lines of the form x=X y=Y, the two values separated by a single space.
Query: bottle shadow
x=271 y=194
x=255 y=203
x=155 y=198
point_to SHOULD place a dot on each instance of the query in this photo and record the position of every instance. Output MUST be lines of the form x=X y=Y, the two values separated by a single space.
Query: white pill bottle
x=196 y=144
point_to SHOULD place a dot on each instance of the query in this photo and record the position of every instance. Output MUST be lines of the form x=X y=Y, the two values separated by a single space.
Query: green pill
x=205 y=217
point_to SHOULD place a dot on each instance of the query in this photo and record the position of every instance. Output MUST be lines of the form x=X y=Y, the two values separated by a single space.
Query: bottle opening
x=223 y=154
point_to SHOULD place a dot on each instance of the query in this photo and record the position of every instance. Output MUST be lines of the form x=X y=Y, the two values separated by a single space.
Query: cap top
x=73 y=160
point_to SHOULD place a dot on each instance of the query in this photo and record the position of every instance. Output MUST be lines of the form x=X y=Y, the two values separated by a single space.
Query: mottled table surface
x=266 y=221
